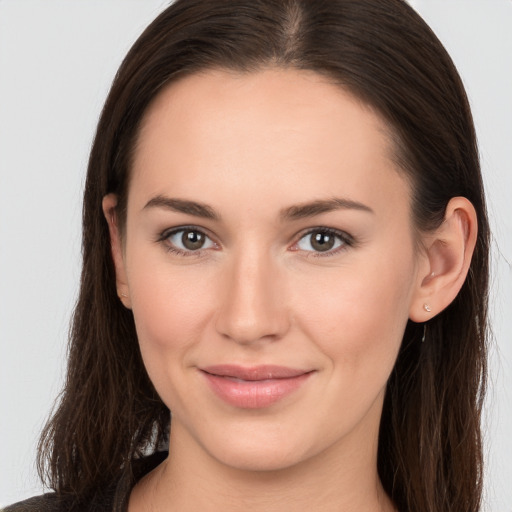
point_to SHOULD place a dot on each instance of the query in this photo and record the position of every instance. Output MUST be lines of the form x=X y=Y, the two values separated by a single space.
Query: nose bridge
x=253 y=305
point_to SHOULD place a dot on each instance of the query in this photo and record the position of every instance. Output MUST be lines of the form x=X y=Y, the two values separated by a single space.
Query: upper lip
x=262 y=372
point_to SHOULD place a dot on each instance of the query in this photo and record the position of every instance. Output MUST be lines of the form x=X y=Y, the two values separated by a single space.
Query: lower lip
x=254 y=394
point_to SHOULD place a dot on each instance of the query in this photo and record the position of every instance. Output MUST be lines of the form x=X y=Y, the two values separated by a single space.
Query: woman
x=285 y=245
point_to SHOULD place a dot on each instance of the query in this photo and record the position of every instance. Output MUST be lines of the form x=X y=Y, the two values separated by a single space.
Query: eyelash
x=347 y=241
x=165 y=235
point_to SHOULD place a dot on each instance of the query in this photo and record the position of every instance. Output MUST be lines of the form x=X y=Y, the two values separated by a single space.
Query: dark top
x=113 y=498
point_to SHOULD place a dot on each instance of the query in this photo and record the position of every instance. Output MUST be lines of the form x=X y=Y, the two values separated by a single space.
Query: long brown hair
x=430 y=446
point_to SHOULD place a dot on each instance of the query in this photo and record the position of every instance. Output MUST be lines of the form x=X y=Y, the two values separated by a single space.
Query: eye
x=323 y=240
x=186 y=240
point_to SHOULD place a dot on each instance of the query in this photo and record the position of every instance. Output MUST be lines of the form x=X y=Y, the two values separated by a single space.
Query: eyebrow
x=294 y=212
x=183 y=206
x=313 y=208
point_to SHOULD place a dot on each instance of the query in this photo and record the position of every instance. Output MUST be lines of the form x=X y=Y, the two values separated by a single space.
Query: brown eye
x=192 y=240
x=186 y=241
x=323 y=240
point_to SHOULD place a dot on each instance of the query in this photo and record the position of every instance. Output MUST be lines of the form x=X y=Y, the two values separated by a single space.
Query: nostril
x=251 y=322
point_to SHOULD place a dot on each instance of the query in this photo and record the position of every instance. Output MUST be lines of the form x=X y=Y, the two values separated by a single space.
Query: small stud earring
x=427 y=308
x=123 y=295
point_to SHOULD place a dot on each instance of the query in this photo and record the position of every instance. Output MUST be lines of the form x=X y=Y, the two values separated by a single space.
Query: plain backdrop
x=57 y=60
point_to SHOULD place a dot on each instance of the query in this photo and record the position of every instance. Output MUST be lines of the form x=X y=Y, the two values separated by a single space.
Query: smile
x=256 y=387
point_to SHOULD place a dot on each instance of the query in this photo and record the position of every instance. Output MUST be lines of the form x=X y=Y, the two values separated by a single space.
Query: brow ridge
x=301 y=211
x=294 y=212
x=183 y=206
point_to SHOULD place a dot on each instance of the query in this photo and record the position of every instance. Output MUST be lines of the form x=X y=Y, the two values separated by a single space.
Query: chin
x=260 y=459
x=259 y=449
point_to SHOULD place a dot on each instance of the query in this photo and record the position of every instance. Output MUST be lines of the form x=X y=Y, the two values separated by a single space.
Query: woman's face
x=269 y=260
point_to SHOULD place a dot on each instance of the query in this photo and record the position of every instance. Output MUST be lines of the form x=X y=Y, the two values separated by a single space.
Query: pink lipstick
x=254 y=387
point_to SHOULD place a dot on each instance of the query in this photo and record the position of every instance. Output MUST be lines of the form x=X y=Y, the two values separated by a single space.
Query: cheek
x=168 y=301
x=357 y=315
x=171 y=308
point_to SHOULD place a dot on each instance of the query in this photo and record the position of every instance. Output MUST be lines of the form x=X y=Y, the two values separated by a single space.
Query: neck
x=334 y=480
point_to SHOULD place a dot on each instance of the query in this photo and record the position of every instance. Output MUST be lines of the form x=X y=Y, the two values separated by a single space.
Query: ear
x=116 y=246
x=445 y=263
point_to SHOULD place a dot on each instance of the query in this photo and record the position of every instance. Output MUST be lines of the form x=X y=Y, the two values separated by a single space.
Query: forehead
x=204 y=95
x=286 y=130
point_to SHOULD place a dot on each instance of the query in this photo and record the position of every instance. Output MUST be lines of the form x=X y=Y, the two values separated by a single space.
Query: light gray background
x=57 y=59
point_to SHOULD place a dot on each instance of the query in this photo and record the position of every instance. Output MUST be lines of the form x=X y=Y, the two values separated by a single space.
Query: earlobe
x=109 y=210
x=448 y=253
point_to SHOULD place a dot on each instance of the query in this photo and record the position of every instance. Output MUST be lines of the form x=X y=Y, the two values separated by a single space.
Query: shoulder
x=51 y=502
x=43 y=503
x=101 y=499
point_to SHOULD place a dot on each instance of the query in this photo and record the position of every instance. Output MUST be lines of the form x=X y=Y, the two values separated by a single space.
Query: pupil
x=192 y=240
x=322 y=241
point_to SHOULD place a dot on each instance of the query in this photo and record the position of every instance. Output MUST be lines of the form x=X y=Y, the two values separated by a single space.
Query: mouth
x=254 y=387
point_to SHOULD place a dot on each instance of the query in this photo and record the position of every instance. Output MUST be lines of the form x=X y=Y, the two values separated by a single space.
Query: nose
x=252 y=307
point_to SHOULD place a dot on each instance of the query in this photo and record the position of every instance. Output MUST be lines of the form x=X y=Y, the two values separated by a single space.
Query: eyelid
x=170 y=231
x=164 y=236
x=347 y=241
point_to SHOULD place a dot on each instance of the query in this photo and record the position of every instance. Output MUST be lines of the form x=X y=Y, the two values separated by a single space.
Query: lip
x=254 y=387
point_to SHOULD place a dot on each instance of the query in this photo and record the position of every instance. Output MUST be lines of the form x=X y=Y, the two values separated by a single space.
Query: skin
x=251 y=147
